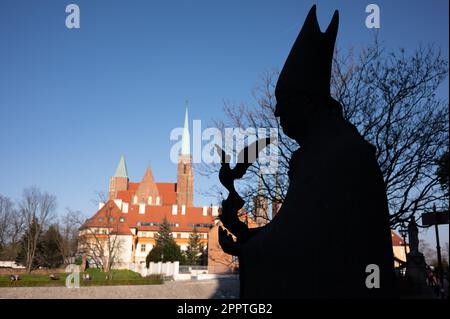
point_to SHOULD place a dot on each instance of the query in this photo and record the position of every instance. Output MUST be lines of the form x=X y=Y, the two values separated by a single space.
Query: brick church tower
x=185 y=177
x=277 y=201
x=119 y=182
x=260 y=206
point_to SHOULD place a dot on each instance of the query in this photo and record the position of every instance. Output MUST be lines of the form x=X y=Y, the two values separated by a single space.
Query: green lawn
x=119 y=277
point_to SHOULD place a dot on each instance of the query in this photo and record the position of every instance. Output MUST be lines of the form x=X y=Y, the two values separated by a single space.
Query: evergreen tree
x=49 y=253
x=194 y=250
x=166 y=249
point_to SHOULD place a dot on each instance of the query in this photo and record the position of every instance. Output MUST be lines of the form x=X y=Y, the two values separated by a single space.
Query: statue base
x=417 y=277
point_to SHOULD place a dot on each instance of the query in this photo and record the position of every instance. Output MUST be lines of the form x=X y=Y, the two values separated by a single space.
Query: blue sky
x=72 y=101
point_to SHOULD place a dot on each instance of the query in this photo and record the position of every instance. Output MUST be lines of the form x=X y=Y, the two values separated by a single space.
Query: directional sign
x=432 y=218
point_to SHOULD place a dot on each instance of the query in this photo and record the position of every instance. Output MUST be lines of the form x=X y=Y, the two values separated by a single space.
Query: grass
x=118 y=277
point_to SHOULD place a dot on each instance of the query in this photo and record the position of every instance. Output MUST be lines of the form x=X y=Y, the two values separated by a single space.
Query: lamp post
x=403 y=232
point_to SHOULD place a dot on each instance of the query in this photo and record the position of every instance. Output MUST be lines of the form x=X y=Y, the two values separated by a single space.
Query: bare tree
x=68 y=227
x=391 y=99
x=6 y=215
x=36 y=208
x=11 y=228
x=100 y=240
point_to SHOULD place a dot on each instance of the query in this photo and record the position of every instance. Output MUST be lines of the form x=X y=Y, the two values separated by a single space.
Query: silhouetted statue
x=334 y=220
x=413 y=236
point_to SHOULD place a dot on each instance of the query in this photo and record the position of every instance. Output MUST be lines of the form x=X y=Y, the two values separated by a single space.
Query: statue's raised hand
x=233 y=203
x=246 y=157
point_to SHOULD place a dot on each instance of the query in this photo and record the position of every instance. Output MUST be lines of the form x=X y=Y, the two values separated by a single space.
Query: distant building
x=398 y=246
x=134 y=211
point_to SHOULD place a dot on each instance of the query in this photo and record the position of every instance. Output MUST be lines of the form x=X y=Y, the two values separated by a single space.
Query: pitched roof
x=121 y=170
x=396 y=239
x=147 y=186
x=149 y=221
x=168 y=193
x=109 y=217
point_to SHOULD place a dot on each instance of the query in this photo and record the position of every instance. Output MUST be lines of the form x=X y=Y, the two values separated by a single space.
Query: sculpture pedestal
x=416 y=274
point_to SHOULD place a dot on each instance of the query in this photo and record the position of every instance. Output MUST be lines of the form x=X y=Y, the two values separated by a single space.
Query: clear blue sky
x=72 y=101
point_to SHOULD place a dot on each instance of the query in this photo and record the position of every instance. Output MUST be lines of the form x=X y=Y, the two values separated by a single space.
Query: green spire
x=185 y=146
x=121 y=170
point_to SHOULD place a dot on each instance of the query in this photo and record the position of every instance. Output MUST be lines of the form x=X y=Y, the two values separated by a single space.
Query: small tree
x=48 y=253
x=195 y=249
x=32 y=234
x=166 y=249
x=100 y=239
x=36 y=208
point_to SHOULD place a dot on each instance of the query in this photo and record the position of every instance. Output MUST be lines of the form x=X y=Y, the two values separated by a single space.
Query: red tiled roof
x=168 y=193
x=396 y=239
x=109 y=217
x=153 y=214
x=126 y=196
x=133 y=186
x=147 y=186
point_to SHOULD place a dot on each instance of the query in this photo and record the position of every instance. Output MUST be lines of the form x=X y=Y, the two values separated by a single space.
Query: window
x=100 y=219
x=122 y=219
x=155 y=224
x=178 y=235
x=201 y=225
x=143 y=246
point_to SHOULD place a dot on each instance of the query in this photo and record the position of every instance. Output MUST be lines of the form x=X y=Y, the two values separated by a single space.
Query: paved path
x=192 y=289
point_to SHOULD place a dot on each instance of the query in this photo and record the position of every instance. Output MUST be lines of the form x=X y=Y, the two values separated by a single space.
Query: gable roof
x=396 y=239
x=150 y=220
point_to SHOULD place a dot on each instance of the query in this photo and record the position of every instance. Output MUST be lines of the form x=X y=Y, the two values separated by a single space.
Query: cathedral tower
x=185 y=177
x=119 y=182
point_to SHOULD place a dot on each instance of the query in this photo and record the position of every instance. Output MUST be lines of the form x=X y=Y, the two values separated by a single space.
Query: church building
x=135 y=210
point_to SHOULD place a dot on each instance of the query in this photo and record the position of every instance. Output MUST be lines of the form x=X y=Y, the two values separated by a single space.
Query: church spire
x=185 y=176
x=185 y=141
x=121 y=170
x=119 y=182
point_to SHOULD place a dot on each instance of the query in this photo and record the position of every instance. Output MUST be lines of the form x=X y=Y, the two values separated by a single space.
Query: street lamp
x=403 y=233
